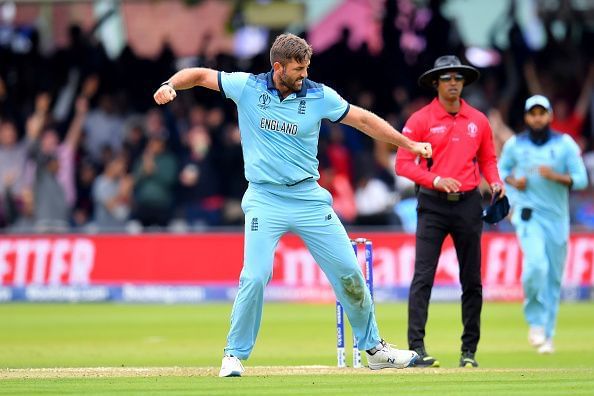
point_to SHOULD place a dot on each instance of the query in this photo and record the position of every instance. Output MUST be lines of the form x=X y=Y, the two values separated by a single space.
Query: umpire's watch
x=436 y=180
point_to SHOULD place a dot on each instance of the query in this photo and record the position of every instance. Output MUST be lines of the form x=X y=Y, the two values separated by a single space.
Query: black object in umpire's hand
x=497 y=210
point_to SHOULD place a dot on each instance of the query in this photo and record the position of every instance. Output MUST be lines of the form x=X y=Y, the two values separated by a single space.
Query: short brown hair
x=288 y=47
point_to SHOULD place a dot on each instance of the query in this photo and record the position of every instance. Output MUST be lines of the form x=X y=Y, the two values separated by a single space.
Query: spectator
x=19 y=214
x=13 y=155
x=201 y=200
x=231 y=172
x=54 y=189
x=154 y=182
x=104 y=129
x=112 y=193
x=134 y=140
x=85 y=177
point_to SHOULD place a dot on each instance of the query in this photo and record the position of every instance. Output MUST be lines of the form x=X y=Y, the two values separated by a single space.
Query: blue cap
x=537 y=100
x=497 y=211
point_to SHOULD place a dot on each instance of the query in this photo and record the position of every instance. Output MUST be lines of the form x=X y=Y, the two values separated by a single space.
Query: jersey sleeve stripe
x=343 y=114
x=221 y=85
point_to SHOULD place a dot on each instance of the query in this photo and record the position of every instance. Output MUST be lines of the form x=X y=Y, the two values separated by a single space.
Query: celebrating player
x=279 y=118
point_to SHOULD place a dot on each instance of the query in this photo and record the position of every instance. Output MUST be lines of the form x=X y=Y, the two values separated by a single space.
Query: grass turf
x=574 y=382
x=112 y=335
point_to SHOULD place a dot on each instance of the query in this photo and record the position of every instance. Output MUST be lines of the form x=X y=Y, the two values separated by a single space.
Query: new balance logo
x=255 y=224
x=301 y=108
x=391 y=360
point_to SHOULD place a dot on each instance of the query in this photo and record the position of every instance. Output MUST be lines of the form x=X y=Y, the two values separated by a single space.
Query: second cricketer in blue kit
x=541 y=166
x=280 y=113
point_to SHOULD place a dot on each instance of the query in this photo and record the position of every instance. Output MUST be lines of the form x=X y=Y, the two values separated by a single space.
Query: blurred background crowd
x=84 y=148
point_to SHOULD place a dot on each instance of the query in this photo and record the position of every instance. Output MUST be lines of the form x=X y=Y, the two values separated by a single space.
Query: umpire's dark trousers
x=462 y=219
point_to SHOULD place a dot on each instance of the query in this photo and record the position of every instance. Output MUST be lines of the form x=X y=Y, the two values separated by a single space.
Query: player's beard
x=289 y=83
x=539 y=136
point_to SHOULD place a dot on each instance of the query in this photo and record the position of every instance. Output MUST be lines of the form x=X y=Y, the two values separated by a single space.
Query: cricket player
x=280 y=113
x=541 y=166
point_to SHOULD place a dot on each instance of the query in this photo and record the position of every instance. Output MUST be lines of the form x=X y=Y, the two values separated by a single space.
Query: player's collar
x=269 y=81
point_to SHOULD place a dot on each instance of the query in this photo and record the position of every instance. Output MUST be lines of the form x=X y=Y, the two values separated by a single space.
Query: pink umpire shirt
x=462 y=146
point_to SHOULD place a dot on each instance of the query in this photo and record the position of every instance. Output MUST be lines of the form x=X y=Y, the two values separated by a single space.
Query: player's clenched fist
x=423 y=149
x=164 y=94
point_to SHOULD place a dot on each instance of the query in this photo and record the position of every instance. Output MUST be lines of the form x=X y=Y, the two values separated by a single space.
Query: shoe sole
x=231 y=374
x=380 y=366
x=466 y=363
x=435 y=364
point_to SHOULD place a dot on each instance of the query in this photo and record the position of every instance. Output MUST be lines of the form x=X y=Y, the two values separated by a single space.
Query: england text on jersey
x=278 y=126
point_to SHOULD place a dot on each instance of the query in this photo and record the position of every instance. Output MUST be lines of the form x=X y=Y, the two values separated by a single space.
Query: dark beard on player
x=290 y=86
x=539 y=136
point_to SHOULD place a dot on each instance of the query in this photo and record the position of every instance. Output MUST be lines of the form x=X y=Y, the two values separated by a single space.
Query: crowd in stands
x=84 y=148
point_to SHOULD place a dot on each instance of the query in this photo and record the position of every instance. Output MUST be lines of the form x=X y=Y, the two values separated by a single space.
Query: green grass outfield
x=176 y=349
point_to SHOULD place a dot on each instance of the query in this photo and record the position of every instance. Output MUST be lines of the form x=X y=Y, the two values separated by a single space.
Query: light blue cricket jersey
x=549 y=199
x=280 y=137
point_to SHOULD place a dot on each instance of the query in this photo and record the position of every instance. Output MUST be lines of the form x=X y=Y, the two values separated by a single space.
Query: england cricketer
x=279 y=118
x=541 y=166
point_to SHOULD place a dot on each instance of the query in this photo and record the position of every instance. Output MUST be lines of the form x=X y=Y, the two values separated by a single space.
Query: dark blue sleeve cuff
x=221 y=85
x=343 y=114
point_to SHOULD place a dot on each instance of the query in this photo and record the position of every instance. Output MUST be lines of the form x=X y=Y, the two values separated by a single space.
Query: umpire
x=448 y=198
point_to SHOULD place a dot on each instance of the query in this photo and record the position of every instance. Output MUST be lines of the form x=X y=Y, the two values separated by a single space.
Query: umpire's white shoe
x=384 y=356
x=231 y=367
x=536 y=336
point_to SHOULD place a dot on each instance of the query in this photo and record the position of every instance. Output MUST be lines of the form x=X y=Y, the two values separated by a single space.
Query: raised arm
x=186 y=79
x=581 y=106
x=532 y=80
x=379 y=129
x=81 y=108
x=37 y=119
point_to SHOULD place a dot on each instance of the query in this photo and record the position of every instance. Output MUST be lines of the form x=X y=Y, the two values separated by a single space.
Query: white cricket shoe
x=384 y=356
x=536 y=336
x=546 y=348
x=231 y=367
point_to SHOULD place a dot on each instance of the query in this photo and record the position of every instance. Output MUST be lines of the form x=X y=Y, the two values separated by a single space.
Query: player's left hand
x=546 y=172
x=423 y=149
x=497 y=190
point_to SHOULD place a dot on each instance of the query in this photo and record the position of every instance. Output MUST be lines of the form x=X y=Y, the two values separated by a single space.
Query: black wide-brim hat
x=497 y=210
x=448 y=63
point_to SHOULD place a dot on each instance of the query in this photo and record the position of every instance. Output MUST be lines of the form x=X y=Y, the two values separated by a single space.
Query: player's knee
x=533 y=273
x=252 y=280
x=354 y=288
